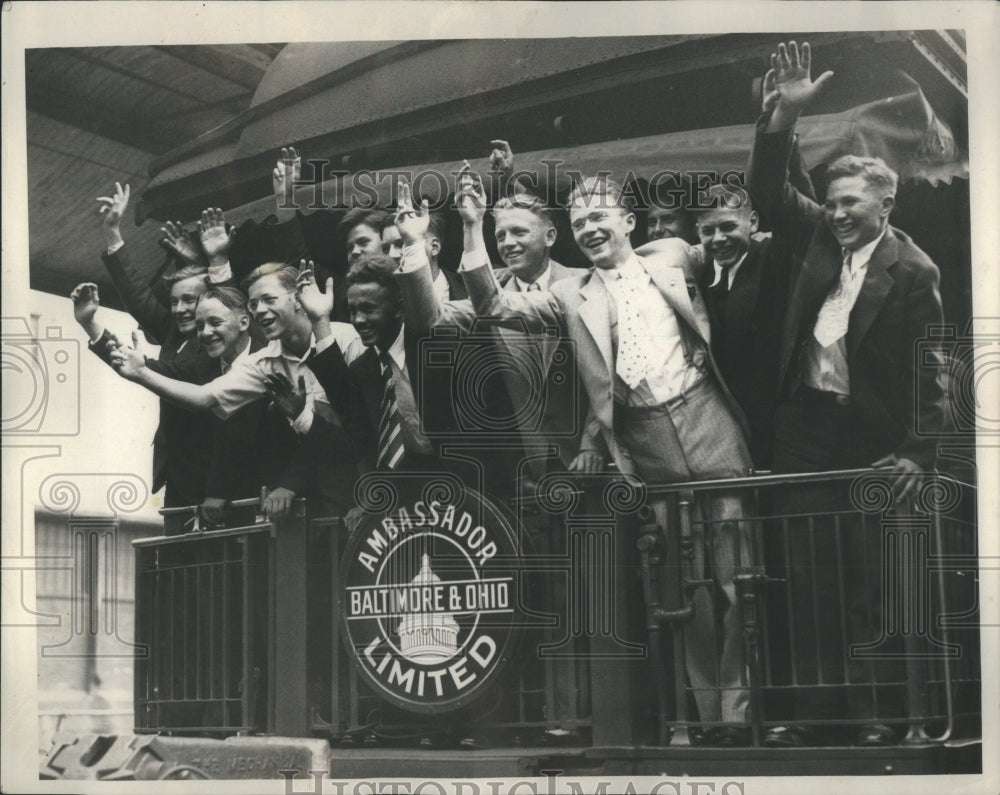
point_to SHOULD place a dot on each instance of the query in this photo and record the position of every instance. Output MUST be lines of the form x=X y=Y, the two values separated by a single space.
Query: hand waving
x=287 y=172
x=287 y=399
x=789 y=77
x=214 y=237
x=177 y=240
x=470 y=199
x=113 y=208
x=501 y=158
x=129 y=362
x=411 y=223
x=318 y=305
x=86 y=302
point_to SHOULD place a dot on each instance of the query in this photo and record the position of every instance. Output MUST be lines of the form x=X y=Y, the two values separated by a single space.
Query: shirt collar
x=441 y=281
x=275 y=349
x=543 y=280
x=861 y=256
x=719 y=270
x=631 y=269
x=397 y=350
x=227 y=366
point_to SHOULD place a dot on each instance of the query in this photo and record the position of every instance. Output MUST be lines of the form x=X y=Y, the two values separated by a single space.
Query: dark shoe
x=561 y=738
x=876 y=735
x=727 y=737
x=789 y=737
x=429 y=743
x=372 y=741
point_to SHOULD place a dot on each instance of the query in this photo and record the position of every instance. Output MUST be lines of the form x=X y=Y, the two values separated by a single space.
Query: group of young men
x=793 y=352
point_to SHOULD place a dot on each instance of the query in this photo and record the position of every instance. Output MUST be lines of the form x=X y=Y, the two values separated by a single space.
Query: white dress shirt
x=825 y=367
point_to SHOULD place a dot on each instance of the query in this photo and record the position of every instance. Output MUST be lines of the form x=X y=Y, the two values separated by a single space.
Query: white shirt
x=441 y=287
x=668 y=373
x=225 y=367
x=719 y=270
x=543 y=281
x=244 y=382
x=826 y=367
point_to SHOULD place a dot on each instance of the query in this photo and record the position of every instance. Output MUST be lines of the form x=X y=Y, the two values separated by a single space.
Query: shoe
x=428 y=743
x=727 y=737
x=472 y=742
x=371 y=740
x=561 y=738
x=876 y=735
x=789 y=737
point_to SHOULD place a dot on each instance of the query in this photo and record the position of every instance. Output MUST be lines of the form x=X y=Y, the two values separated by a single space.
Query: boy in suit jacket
x=663 y=413
x=850 y=393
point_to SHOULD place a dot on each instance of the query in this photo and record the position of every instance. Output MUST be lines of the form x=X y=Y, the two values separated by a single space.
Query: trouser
x=697 y=438
x=833 y=562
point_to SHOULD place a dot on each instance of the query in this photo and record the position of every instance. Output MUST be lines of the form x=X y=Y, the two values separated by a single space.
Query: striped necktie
x=390 y=423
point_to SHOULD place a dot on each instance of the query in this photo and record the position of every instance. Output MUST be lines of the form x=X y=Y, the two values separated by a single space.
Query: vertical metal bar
x=790 y=602
x=681 y=542
x=171 y=637
x=888 y=588
x=186 y=630
x=337 y=532
x=246 y=720
x=818 y=651
x=272 y=636
x=291 y=716
x=845 y=641
x=224 y=562
x=943 y=611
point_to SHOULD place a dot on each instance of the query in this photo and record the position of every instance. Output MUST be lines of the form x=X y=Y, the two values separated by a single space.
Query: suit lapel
x=820 y=270
x=595 y=314
x=672 y=282
x=878 y=282
x=743 y=295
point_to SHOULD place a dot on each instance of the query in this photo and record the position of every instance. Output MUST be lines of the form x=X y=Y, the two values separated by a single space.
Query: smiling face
x=601 y=229
x=524 y=240
x=856 y=211
x=725 y=234
x=184 y=295
x=662 y=223
x=392 y=243
x=362 y=240
x=273 y=306
x=222 y=332
x=376 y=313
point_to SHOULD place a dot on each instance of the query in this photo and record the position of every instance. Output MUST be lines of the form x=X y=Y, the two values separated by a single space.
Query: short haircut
x=873 y=169
x=525 y=201
x=670 y=193
x=603 y=185
x=359 y=215
x=388 y=221
x=229 y=297
x=375 y=269
x=187 y=272
x=286 y=274
x=436 y=226
x=723 y=196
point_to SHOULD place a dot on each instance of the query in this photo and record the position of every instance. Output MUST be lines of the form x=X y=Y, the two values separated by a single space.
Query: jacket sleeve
x=148 y=311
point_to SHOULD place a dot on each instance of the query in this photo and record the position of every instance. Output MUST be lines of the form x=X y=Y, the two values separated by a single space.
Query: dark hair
x=375 y=269
x=603 y=185
x=359 y=215
x=229 y=297
x=436 y=226
x=874 y=169
x=286 y=274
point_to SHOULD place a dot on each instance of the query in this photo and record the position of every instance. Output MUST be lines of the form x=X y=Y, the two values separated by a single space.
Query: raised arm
x=131 y=364
x=287 y=172
x=135 y=293
x=216 y=241
x=788 y=89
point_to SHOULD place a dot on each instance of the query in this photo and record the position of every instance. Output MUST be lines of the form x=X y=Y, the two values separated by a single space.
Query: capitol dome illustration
x=427 y=637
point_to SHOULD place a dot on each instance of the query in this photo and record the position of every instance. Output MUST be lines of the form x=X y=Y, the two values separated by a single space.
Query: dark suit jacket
x=892 y=394
x=181 y=457
x=746 y=338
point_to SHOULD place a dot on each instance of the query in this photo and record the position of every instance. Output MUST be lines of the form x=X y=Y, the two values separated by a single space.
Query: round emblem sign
x=429 y=595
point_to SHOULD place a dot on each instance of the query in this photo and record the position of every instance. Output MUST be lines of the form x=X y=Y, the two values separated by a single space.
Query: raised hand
x=318 y=305
x=287 y=399
x=86 y=302
x=177 y=240
x=112 y=208
x=214 y=237
x=790 y=77
x=470 y=199
x=501 y=158
x=287 y=172
x=129 y=362
x=411 y=223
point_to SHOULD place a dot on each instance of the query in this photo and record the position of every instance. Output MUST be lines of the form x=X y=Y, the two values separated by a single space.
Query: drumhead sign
x=430 y=596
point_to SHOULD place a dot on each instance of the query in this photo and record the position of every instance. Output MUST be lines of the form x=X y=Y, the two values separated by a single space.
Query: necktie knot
x=534 y=287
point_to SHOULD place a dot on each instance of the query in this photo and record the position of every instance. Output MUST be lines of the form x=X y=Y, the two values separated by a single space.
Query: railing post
x=291 y=557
